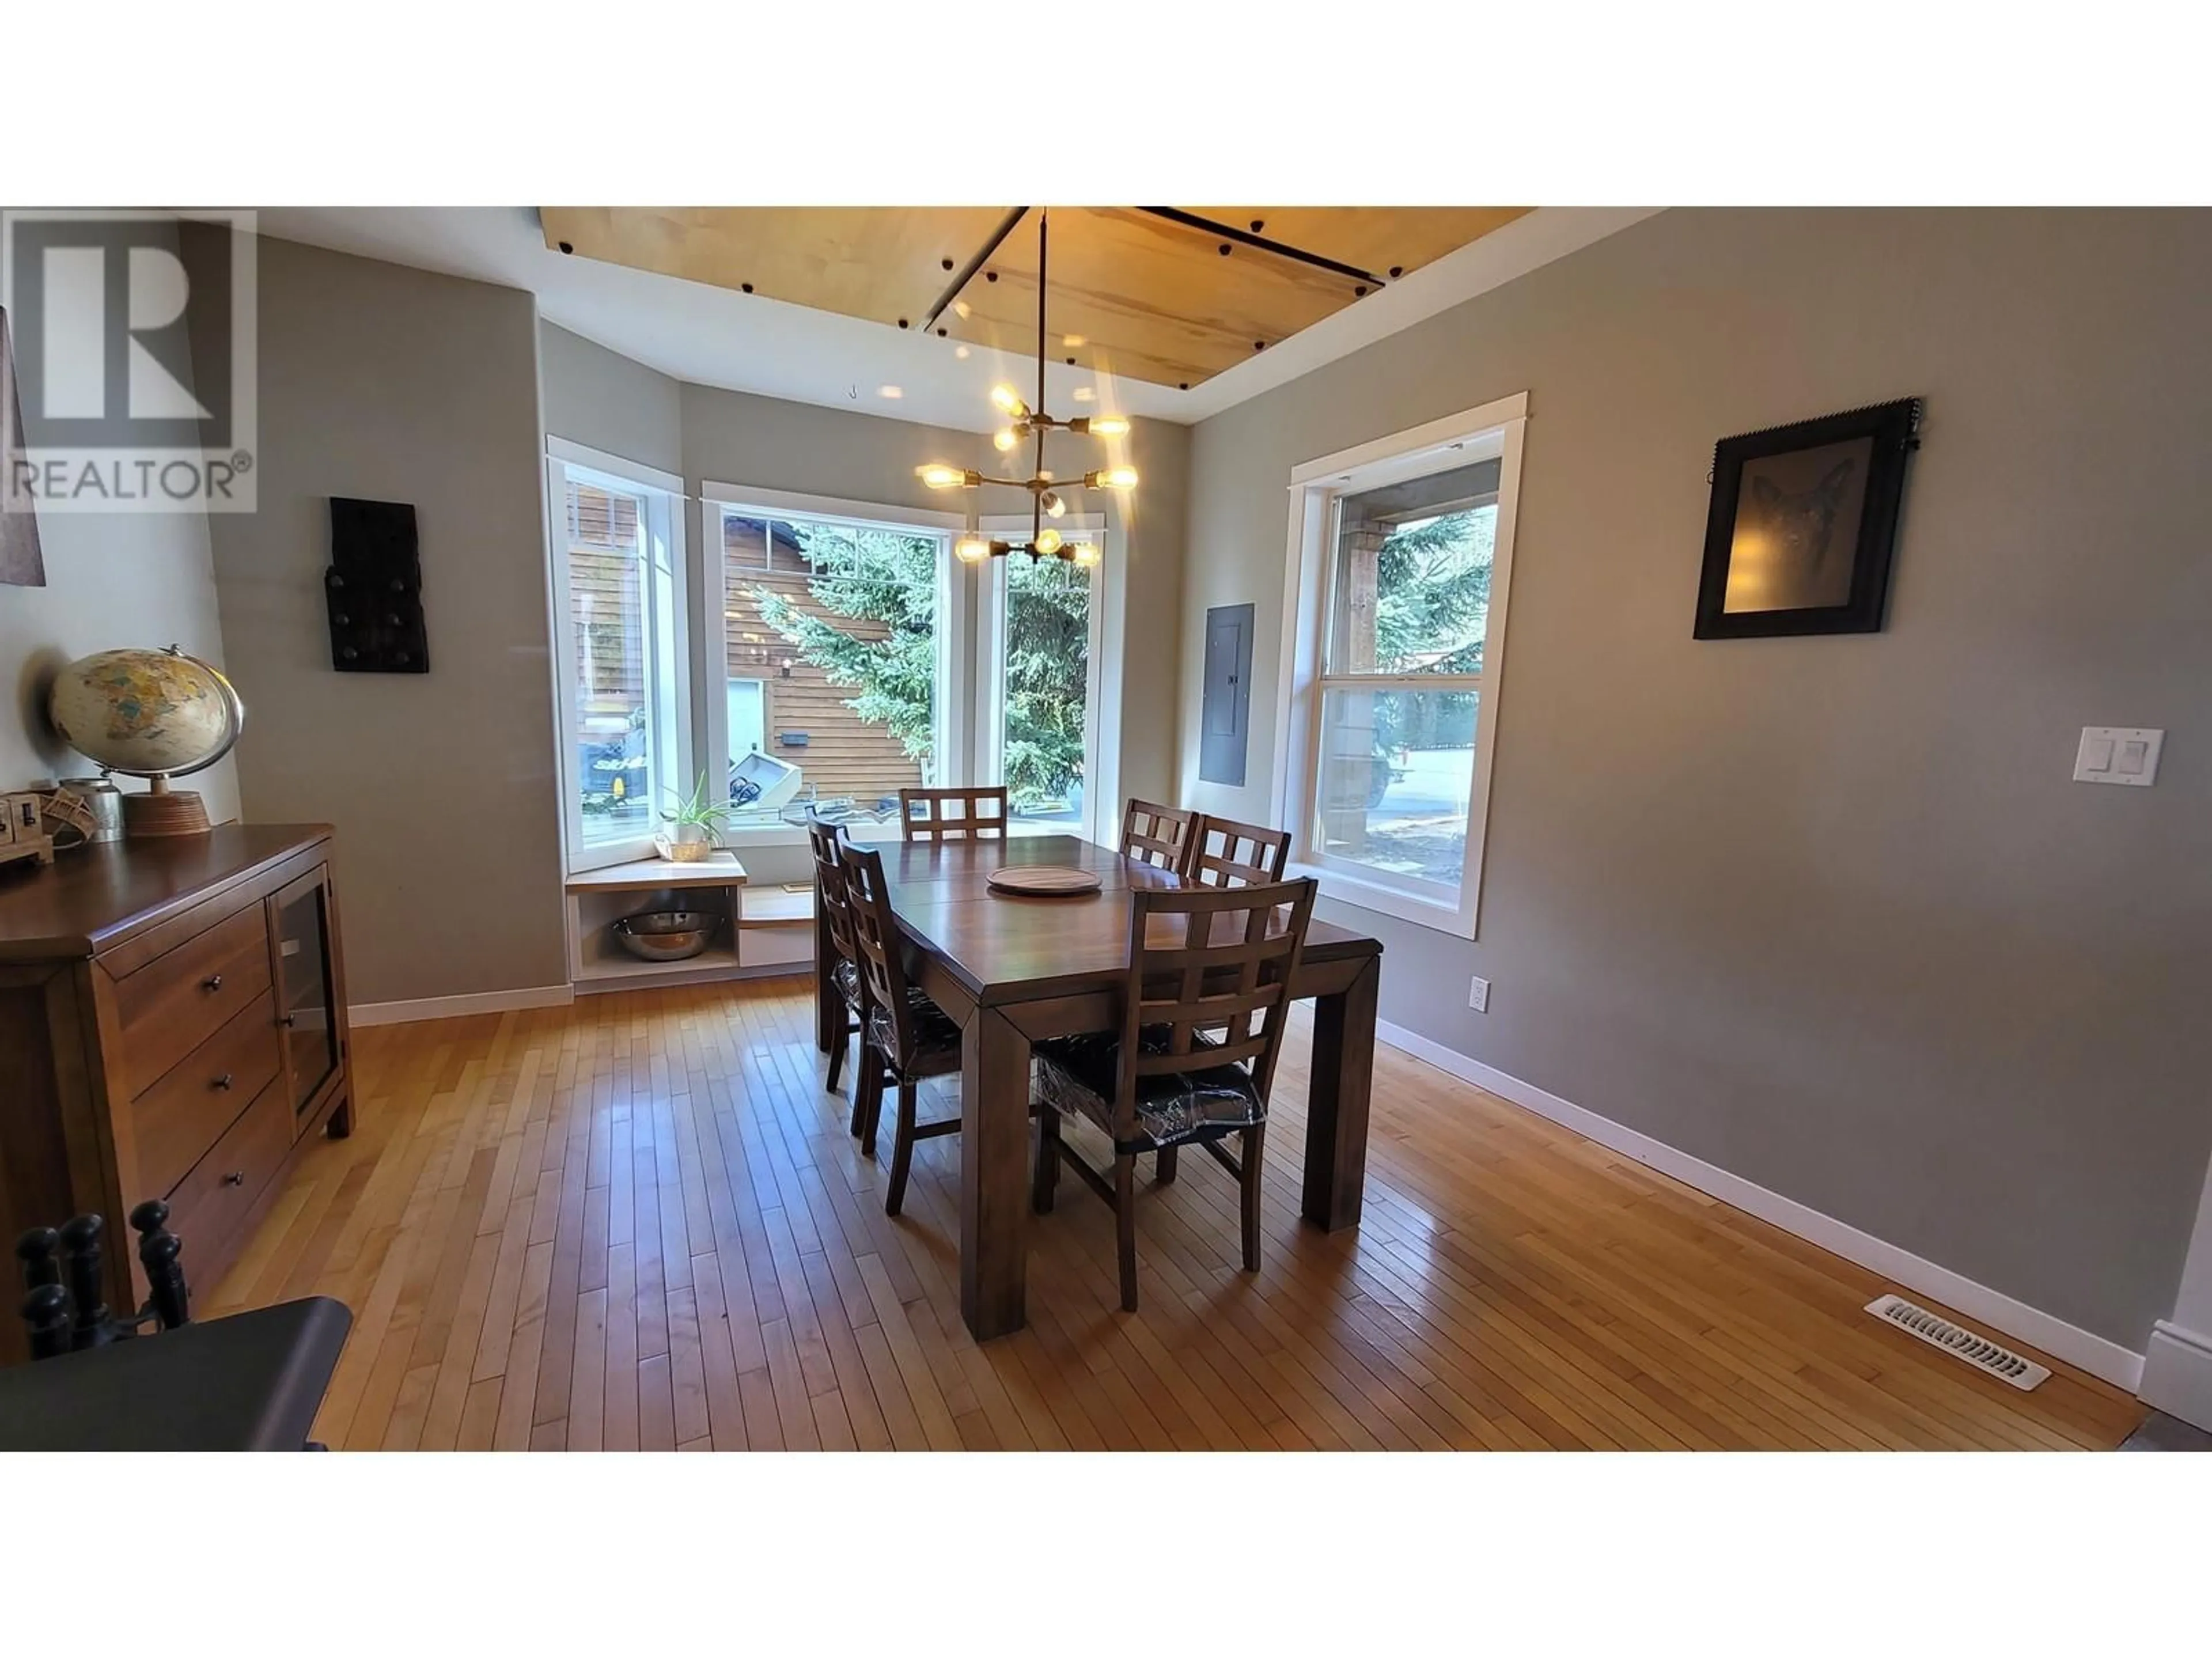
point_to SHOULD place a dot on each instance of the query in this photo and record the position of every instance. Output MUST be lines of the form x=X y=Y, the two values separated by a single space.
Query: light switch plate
x=2118 y=754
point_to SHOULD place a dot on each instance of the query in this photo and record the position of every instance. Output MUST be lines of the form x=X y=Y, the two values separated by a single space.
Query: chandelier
x=1048 y=496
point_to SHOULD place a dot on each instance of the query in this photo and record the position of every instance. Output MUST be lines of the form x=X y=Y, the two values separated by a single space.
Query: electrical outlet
x=1478 y=995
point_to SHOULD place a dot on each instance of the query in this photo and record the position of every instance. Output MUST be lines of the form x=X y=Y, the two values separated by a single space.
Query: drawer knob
x=235 y=1178
x=222 y=1082
x=212 y=982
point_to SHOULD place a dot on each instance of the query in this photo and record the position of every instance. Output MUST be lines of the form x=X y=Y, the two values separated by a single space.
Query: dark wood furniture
x=173 y=1026
x=831 y=905
x=250 y=1382
x=924 y=815
x=904 y=1036
x=1223 y=853
x=1013 y=970
x=1186 y=1066
x=1155 y=834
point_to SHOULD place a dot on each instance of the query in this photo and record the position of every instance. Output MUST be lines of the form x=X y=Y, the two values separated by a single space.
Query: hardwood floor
x=640 y=1223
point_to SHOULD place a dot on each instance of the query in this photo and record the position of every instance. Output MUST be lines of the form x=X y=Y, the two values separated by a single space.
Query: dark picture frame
x=1801 y=530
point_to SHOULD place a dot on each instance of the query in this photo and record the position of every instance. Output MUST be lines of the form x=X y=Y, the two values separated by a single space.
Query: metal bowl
x=666 y=935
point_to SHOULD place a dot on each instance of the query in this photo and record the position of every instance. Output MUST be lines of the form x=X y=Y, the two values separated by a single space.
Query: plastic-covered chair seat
x=846 y=977
x=1077 y=1074
x=933 y=1033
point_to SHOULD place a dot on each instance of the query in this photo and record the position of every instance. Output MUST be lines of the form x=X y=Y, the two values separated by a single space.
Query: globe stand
x=161 y=811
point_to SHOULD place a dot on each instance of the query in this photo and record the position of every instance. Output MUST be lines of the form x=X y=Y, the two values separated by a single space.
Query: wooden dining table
x=1012 y=970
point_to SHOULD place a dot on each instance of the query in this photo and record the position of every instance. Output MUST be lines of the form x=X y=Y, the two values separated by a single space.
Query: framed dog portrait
x=1803 y=523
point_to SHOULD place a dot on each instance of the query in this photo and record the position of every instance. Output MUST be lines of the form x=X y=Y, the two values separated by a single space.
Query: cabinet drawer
x=180 y=1117
x=182 y=998
x=210 y=1205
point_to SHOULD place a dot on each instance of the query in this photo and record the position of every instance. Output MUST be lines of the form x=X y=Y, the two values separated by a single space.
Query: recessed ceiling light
x=960 y=351
x=1083 y=394
x=890 y=392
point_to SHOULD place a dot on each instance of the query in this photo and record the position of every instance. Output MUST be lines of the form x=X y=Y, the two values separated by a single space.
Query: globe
x=147 y=714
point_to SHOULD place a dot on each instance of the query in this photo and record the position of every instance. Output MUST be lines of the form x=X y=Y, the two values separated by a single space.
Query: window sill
x=1339 y=888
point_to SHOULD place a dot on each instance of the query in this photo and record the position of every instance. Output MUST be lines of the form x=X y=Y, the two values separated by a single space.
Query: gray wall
x=1828 y=913
x=398 y=385
x=602 y=399
x=113 y=580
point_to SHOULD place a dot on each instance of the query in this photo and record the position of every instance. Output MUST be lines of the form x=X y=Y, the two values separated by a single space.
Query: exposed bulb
x=1115 y=478
x=1086 y=553
x=1052 y=504
x=1109 y=426
x=1005 y=438
x=938 y=476
x=1006 y=397
x=1046 y=541
x=972 y=550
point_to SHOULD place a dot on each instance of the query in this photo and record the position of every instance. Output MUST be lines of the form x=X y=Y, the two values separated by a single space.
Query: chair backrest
x=1155 y=834
x=876 y=939
x=1223 y=853
x=982 y=812
x=829 y=885
x=1231 y=960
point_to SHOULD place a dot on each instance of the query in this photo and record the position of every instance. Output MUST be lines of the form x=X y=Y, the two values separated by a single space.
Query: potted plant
x=695 y=825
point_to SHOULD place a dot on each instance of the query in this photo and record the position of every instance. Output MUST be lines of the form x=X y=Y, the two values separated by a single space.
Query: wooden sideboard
x=173 y=1024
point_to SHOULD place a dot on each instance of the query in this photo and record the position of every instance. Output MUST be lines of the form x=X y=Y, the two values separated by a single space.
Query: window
x=617 y=577
x=1401 y=555
x=835 y=669
x=1041 y=698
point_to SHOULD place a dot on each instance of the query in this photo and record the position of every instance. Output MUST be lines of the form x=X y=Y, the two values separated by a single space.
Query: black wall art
x=1802 y=525
x=374 y=589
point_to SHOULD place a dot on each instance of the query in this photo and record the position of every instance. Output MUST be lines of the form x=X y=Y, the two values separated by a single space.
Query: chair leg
x=902 y=1147
x=1164 y=1169
x=867 y=1097
x=1250 y=1185
x=1046 y=1179
x=1125 y=1225
x=837 y=1056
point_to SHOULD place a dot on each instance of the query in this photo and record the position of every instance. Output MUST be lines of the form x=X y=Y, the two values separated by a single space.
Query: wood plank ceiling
x=1170 y=295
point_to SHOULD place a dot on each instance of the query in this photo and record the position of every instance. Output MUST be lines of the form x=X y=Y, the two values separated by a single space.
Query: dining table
x=1011 y=969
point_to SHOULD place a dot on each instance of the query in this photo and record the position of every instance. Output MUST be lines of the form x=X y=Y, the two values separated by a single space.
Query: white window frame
x=991 y=679
x=954 y=661
x=1493 y=430
x=669 y=625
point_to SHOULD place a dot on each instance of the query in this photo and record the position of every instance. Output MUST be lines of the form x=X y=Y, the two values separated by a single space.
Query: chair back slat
x=1223 y=853
x=829 y=885
x=926 y=814
x=876 y=935
x=1156 y=835
x=1230 y=961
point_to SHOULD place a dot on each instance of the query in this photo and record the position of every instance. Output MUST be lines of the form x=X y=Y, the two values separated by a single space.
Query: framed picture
x=1802 y=525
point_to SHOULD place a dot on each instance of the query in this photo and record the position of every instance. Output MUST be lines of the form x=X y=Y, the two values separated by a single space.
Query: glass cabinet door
x=307 y=993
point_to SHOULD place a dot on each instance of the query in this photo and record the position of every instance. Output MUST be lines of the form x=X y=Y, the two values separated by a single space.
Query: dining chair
x=904 y=1036
x=972 y=823
x=1155 y=834
x=836 y=913
x=1249 y=854
x=1187 y=1067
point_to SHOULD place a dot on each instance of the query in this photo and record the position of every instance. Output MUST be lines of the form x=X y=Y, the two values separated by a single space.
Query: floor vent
x=1977 y=1350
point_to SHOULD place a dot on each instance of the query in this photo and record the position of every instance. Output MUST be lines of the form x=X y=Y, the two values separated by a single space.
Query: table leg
x=1336 y=1113
x=828 y=1017
x=995 y=1177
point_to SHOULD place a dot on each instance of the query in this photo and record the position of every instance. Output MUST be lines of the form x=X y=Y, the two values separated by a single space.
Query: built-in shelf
x=644 y=875
x=768 y=930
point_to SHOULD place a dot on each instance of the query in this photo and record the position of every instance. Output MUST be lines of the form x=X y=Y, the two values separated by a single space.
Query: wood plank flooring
x=639 y=1224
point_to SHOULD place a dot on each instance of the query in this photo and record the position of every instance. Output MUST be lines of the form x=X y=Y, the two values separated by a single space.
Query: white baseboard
x=2177 y=1375
x=480 y=1002
x=2091 y=1353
